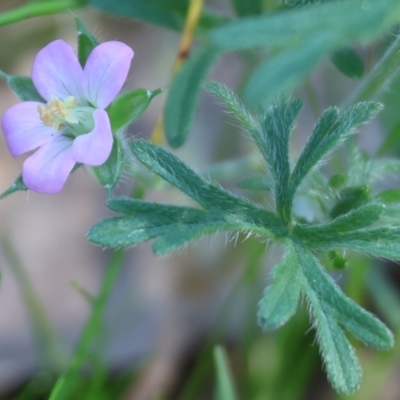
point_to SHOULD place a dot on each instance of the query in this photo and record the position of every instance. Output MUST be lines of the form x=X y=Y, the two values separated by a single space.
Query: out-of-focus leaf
x=225 y=389
x=247 y=7
x=182 y=99
x=348 y=62
x=23 y=87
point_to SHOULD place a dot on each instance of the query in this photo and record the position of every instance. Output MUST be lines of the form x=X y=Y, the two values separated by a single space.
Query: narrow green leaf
x=128 y=231
x=280 y=299
x=23 y=87
x=233 y=104
x=86 y=41
x=130 y=206
x=15 y=187
x=276 y=76
x=180 y=235
x=378 y=242
x=348 y=62
x=130 y=106
x=225 y=389
x=174 y=171
x=248 y=7
x=182 y=99
x=273 y=142
x=339 y=357
x=362 y=324
x=330 y=130
x=109 y=174
x=258 y=182
x=178 y=228
x=356 y=219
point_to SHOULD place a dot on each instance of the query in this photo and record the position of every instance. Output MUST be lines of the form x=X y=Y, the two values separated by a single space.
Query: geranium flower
x=73 y=126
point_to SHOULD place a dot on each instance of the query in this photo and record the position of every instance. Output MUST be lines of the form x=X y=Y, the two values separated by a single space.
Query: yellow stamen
x=56 y=112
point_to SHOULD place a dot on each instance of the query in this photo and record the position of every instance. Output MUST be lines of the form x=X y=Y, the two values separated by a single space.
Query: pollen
x=57 y=112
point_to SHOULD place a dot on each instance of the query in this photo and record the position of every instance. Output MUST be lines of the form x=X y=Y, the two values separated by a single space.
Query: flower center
x=56 y=112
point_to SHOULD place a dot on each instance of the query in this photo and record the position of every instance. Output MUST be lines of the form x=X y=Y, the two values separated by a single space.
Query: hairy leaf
x=356 y=219
x=273 y=142
x=233 y=104
x=258 y=182
x=280 y=299
x=330 y=130
x=209 y=196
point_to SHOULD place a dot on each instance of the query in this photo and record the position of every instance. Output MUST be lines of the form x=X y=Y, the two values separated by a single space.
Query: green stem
x=380 y=76
x=67 y=382
x=32 y=10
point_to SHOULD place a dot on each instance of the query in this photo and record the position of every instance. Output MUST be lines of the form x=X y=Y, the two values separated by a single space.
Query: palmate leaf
x=225 y=388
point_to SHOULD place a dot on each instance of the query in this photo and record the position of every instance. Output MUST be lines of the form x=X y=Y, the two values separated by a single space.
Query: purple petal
x=56 y=71
x=48 y=168
x=94 y=148
x=105 y=72
x=23 y=129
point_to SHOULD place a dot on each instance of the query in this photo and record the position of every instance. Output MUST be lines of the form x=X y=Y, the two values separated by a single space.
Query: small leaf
x=15 y=187
x=225 y=389
x=330 y=130
x=109 y=174
x=273 y=142
x=182 y=99
x=350 y=198
x=86 y=41
x=129 y=106
x=362 y=324
x=233 y=104
x=258 y=182
x=339 y=357
x=348 y=62
x=356 y=219
x=280 y=299
x=23 y=87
